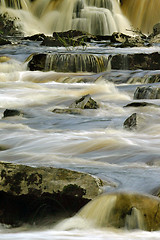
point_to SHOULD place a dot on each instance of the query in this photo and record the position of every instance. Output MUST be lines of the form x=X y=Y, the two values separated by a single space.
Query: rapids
x=95 y=141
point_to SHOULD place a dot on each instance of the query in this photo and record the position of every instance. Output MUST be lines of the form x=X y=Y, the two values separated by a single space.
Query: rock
x=11 y=113
x=4 y=41
x=136 y=61
x=123 y=210
x=36 y=37
x=67 y=111
x=134 y=121
x=145 y=79
x=66 y=62
x=66 y=39
x=29 y=195
x=8 y=26
x=85 y=102
x=156 y=29
x=4 y=59
x=147 y=93
x=141 y=104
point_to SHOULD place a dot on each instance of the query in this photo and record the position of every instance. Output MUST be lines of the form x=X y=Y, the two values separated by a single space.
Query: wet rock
x=30 y=194
x=4 y=41
x=8 y=26
x=66 y=39
x=36 y=37
x=4 y=59
x=136 y=61
x=147 y=93
x=66 y=62
x=145 y=79
x=67 y=111
x=85 y=102
x=141 y=104
x=134 y=121
x=11 y=113
x=156 y=29
x=124 y=210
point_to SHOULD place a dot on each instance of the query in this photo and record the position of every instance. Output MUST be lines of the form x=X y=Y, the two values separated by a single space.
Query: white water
x=93 y=142
x=47 y=17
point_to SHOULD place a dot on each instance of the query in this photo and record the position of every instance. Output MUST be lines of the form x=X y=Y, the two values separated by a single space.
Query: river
x=94 y=142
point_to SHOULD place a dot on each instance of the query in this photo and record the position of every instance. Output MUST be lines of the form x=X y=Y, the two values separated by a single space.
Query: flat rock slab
x=44 y=194
x=22 y=180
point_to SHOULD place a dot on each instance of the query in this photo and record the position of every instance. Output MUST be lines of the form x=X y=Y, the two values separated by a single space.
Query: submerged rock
x=66 y=62
x=134 y=121
x=30 y=194
x=147 y=93
x=123 y=210
x=141 y=104
x=67 y=111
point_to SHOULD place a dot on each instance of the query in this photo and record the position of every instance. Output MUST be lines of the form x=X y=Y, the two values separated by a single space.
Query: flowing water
x=95 y=141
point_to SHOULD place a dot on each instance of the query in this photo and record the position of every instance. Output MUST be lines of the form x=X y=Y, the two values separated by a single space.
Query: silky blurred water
x=94 y=141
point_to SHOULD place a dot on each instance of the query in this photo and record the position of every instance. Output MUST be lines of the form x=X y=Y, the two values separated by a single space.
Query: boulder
x=29 y=195
x=85 y=102
x=36 y=37
x=11 y=113
x=8 y=26
x=147 y=93
x=136 y=61
x=134 y=121
x=67 y=62
x=156 y=29
x=123 y=210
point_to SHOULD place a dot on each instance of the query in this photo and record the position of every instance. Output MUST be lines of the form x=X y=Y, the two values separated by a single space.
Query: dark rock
x=36 y=37
x=11 y=113
x=31 y=195
x=134 y=121
x=156 y=29
x=69 y=34
x=147 y=93
x=8 y=25
x=4 y=41
x=67 y=111
x=136 y=61
x=66 y=62
x=37 y=62
x=145 y=79
x=123 y=210
x=141 y=104
x=85 y=102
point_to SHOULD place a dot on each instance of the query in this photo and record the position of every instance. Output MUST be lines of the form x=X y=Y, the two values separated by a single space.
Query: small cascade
x=76 y=63
x=134 y=220
x=122 y=210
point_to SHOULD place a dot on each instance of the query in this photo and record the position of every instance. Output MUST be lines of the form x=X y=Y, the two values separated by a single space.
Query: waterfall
x=142 y=13
x=76 y=63
x=98 y=17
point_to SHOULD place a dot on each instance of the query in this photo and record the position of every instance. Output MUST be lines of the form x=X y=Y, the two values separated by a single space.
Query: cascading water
x=143 y=14
x=95 y=17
